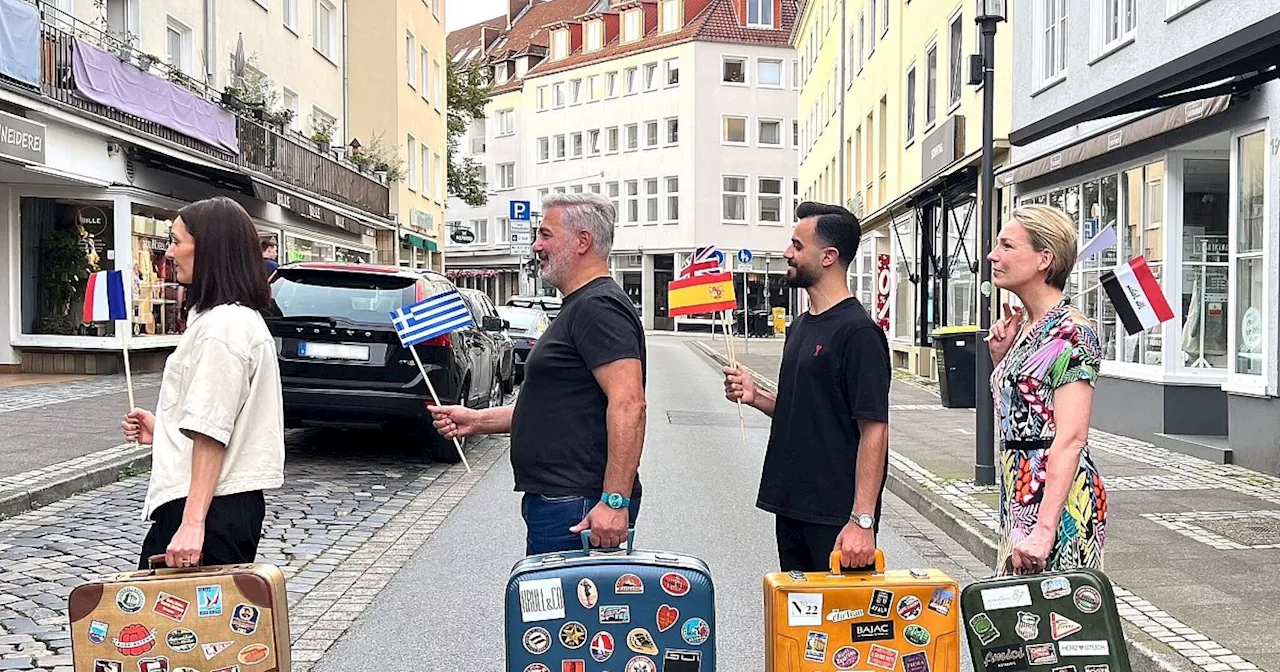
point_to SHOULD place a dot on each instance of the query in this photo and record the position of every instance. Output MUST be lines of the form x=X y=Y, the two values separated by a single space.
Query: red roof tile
x=529 y=32
x=465 y=39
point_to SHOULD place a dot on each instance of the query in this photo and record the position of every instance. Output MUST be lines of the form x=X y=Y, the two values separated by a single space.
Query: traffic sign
x=521 y=227
x=521 y=238
x=522 y=250
x=520 y=211
x=744 y=257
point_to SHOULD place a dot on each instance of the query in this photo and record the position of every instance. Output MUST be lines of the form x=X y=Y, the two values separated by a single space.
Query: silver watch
x=863 y=520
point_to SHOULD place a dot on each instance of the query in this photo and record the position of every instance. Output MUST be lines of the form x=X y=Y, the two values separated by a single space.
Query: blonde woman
x=1045 y=357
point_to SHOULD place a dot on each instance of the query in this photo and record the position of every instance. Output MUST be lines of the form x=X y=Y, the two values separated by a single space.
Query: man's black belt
x=1027 y=445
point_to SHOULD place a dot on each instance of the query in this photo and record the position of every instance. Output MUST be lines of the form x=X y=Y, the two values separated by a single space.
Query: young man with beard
x=827 y=458
x=577 y=427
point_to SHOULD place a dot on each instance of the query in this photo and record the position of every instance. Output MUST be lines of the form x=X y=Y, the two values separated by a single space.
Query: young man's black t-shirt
x=835 y=371
x=559 y=431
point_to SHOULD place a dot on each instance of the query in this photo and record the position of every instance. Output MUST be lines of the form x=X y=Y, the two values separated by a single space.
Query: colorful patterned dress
x=1061 y=348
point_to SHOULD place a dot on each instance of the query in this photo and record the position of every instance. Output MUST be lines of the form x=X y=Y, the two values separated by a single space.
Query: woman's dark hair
x=228 y=266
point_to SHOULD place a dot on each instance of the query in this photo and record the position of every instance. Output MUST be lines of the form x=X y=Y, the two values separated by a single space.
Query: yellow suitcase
x=224 y=618
x=895 y=621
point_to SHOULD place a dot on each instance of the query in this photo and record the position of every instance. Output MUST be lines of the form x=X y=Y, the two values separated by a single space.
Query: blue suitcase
x=619 y=611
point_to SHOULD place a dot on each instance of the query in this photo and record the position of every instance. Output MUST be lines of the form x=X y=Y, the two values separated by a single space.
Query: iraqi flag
x=104 y=297
x=1136 y=294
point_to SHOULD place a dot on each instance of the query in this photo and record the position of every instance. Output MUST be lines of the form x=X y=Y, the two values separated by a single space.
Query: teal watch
x=615 y=500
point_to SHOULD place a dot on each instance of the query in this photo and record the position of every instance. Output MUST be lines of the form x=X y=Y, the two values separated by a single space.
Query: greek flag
x=430 y=318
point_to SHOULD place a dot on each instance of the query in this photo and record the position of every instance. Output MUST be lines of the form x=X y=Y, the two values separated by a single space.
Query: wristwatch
x=615 y=500
x=863 y=520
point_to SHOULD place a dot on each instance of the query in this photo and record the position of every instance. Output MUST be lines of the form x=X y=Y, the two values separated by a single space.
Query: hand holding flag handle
x=106 y=300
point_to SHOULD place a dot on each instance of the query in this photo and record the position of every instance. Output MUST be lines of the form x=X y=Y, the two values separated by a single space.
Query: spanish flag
x=701 y=294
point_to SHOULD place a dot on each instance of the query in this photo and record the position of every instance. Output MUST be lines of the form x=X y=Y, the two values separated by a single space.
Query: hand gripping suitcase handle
x=157 y=562
x=586 y=542
x=836 y=569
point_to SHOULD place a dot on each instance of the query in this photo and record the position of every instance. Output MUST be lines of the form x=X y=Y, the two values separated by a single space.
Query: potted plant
x=64 y=269
x=145 y=61
x=231 y=97
x=322 y=133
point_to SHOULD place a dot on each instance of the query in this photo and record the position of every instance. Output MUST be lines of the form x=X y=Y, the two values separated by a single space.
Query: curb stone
x=48 y=489
x=981 y=544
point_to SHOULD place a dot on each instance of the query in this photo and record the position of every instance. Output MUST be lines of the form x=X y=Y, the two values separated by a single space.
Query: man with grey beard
x=577 y=428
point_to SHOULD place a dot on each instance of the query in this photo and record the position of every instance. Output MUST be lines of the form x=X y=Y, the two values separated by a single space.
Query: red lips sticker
x=675 y=584
x=668 y=616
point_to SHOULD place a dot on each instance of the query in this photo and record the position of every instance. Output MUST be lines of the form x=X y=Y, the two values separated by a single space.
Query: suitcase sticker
x=899 y=621
x=1058 y=622
x=173 y=619
x=587 y=611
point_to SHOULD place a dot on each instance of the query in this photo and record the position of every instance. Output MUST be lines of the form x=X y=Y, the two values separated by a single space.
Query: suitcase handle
x=836 y=570
x=157 y=562
x=587 y=548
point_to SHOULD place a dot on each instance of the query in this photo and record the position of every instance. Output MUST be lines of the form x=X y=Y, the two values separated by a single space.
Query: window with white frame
x=544 y=149
x=673 y=199
x=411 y=60
x=633 y=201
x=575 y=140
x=871 y=28
x=1117 y=21
x=673 y=131
x=560 y=146
x=1248 y=254
x=291 y=15
x=670 y=16
x=506 y=122
x=632 y=25
x=884 y=14
x=735 y=131
x=441 y=192
x=593 y=142
x=575 y=92
x=673 y=71
x=610 y=84
x=769 y=73
x=426 y=170
x=595 y=35
x=930 y=85
x=593 y=88
x=178 y=46
x=424 y=73
x=770 y=133
x=291 y=102
x=851 y=71
x=412 y=146
x=769 y=197
x=650 y=76
x=559 y=44
x=542 y=98
x=955 y=65
x=862 y=40
x=1175 y=6
x=1051 y=40
x=613 y=142
x=437 y=80
x=911 y=104
x=651 y=200
x=651 y=133
x=734 y=70
x=504 y=230
x=795 y=133
x=633 y=136
x=575 y=189
x=594 y=187
x=759 y=13
x=733 y=195
x=326 y=28
x=506 y=175
x=557 y=94
x=481 y=227
x=611 y=189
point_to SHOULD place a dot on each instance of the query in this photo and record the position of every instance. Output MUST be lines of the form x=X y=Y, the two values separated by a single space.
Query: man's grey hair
x=587 y=212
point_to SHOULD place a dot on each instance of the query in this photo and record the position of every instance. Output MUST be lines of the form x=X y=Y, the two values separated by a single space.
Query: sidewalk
x=1192 y=546
x=58 y=438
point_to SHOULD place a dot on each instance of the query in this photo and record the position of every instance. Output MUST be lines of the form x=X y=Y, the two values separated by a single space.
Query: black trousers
x=232 y=529
x=806 y=547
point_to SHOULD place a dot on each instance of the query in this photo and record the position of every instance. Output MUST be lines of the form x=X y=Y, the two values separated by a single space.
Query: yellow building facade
x=891 y=128
x=398 y=108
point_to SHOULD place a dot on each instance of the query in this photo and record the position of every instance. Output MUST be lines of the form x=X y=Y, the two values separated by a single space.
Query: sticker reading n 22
x=541 y=600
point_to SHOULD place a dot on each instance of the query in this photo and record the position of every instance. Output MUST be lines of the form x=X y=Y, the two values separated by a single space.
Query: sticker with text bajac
x=804 y=609
x=870 y=631
x=171 y=607
x=588 y=596
x=1060 y=626
x=882 y=656
x=628 y=584
x=675 y=585
x=668 y=616
x=541 y=600
x=1006 y=597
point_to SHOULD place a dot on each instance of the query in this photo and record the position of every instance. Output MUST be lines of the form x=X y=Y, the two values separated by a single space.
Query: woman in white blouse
x=217 y=433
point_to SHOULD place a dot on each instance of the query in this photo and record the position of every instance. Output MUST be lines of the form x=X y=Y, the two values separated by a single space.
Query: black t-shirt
x=559 y=431
x=835 y=371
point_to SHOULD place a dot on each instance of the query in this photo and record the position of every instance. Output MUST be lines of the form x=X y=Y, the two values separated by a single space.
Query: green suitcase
x=1052 y=622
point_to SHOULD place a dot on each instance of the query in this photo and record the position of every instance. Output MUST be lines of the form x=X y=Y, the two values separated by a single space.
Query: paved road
x=443 y=611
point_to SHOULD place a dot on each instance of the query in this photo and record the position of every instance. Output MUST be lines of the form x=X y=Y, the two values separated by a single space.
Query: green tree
x=468 y=92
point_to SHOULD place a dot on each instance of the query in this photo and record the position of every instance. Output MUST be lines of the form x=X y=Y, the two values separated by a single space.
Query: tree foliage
x=468 y=92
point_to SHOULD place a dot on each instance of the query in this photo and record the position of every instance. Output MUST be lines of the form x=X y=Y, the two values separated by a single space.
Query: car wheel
x=495 y=392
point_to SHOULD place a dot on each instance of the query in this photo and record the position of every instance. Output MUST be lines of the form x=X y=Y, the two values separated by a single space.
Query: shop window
x=1143 y=235
x=1206 y=213
x=1100 y=210
x=159 y=301
x=62 y=243
x=962 y=282
x=1250 y=332
x=305 y=249
x=904 y=309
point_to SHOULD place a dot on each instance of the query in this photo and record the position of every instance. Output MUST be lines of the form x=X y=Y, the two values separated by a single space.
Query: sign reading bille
x=21 y=139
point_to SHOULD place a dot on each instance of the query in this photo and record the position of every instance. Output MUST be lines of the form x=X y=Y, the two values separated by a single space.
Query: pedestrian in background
x=1045 y=356
x=827 y=458
x=217 y=434
x=270 y=256
x=577 y=428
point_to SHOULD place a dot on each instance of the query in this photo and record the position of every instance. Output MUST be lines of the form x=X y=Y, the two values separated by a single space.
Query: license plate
x=334 y=351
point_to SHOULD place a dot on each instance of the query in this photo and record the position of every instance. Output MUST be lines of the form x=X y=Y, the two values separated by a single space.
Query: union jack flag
x=704 y=261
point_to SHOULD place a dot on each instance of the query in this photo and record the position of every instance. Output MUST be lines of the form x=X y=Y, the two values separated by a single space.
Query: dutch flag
x=430 y=318
x=104 y=297
x=1136 y=294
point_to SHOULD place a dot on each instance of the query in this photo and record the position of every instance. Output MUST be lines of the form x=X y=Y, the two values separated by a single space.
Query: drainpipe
x=840 y=158
x=210 y=40
x=346 y=63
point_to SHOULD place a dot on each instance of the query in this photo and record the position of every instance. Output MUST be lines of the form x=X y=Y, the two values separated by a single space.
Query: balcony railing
x=262 y=148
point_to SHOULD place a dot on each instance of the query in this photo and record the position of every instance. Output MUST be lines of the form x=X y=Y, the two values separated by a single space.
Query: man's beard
x=799 y=278
x=552 y=270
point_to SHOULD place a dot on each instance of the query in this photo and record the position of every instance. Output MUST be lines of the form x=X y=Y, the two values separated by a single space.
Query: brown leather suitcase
x=226 y=618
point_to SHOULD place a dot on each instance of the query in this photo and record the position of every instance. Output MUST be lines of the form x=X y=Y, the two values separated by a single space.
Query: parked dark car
x=482 y=308
x=548 y=304
x=527 y=326
x=342 y=364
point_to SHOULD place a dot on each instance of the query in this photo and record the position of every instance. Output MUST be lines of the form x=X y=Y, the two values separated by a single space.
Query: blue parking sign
x=519 y=211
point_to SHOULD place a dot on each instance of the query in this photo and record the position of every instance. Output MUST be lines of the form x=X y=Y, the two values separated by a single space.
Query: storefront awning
x=418 y=241
x=1111 y=140
x=311 y=209
x=1238 y=61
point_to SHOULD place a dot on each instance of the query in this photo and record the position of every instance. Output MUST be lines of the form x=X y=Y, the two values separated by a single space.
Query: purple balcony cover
x=20 y=41
x=105 y=79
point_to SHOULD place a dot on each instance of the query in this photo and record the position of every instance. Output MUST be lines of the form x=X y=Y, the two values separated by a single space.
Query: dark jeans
x=232 y=529
x=806 y=547
x=548 y=519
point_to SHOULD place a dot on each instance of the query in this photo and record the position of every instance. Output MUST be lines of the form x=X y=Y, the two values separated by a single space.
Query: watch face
x=615 y=500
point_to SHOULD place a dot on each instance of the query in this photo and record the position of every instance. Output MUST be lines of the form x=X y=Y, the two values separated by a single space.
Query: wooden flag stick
x=727 y=322
x=123 y=328
x=456 y=443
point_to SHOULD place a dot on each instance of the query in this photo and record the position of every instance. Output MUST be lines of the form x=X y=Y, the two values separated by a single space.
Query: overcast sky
x=463 y=13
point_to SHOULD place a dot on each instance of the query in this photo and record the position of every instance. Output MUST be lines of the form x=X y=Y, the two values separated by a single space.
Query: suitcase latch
x=552 y=559
x=919 y=573
x=797 y=576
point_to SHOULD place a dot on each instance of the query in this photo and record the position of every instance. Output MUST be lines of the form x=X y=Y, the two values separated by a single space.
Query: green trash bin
x=957 y=349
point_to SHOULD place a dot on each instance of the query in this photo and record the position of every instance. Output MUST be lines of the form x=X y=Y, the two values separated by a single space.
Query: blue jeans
x=547 y=521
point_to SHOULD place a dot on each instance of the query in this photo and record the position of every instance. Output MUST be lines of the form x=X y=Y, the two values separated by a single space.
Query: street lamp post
x=989 y=14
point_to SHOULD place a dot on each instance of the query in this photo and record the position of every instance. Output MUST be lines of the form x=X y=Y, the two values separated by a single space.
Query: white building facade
x=689 y=132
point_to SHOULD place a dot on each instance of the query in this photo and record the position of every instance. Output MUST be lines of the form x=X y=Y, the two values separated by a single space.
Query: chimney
x=514 y=9
x=488 y=35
